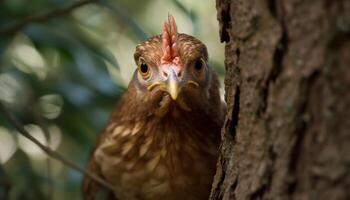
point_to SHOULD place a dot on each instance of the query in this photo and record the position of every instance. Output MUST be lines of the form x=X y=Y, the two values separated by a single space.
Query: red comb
x=169 y=39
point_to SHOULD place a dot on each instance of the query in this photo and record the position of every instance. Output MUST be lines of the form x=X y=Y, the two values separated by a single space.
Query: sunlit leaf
x=101 y=52
x=191 y=15
x=126 y=19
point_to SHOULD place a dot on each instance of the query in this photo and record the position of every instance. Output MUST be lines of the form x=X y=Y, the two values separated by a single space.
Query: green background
x=62 y=76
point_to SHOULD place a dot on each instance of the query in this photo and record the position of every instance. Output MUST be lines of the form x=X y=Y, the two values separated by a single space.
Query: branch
x=43 y=17
x=41 y=122
x=49 y=151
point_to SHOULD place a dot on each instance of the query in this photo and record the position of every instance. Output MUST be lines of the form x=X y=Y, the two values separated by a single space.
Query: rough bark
x=287 y=131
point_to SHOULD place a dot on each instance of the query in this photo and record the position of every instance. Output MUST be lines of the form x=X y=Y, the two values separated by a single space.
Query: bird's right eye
x=199 y=66
x=144 y=70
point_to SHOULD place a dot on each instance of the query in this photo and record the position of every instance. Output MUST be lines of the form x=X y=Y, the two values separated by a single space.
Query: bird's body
x=162 y=141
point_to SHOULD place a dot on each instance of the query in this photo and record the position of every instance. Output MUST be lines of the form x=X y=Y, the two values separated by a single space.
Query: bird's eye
x=144 y=70
x=199 y=65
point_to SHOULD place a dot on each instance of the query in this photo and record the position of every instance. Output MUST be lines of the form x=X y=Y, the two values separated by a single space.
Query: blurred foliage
x=63 y=76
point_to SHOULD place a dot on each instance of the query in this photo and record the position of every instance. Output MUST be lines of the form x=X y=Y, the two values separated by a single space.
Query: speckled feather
x=147 y=152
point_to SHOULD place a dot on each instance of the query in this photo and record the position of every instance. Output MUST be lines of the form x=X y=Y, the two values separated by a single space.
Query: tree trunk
x=287 y=130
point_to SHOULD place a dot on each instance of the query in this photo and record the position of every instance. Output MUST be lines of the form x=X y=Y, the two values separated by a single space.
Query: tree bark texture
x=287 y=130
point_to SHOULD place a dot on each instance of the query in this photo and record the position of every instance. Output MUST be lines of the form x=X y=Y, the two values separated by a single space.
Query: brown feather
x=154 y=149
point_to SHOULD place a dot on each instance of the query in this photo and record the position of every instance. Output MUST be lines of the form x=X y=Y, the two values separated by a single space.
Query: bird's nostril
x=179 y=74
x=165 y=74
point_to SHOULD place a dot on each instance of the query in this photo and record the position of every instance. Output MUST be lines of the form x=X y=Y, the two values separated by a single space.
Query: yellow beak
x=173 y=84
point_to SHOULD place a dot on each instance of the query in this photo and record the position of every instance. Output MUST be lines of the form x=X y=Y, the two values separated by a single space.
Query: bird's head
x=172 y=71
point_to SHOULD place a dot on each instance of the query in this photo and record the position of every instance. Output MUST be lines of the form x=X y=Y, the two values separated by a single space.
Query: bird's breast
x=154 y=161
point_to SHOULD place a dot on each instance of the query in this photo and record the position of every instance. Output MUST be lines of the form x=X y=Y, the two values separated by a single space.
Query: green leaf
x=189 y=13
x=101 y=52
x=126 y=19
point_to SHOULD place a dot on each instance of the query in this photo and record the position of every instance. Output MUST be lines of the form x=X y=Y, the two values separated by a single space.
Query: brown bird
x=162 y=140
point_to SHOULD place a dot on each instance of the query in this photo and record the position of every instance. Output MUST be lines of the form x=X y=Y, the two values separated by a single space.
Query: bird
x=162 y=139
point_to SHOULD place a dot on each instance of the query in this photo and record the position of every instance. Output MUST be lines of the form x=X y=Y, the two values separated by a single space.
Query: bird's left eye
x=144 y=70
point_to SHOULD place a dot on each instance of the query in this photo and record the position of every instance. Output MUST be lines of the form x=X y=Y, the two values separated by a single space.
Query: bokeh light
x=62 y=78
